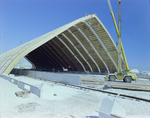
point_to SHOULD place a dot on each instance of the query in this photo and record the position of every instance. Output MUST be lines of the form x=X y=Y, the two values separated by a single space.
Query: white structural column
x=91 y=46
x=7 y=62
x=101 y=45
x=78 y=51
x=85 y=50
x=4 y=61
x=72 y=53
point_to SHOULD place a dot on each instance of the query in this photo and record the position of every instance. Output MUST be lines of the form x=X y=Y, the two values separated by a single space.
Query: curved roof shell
x=82 y=45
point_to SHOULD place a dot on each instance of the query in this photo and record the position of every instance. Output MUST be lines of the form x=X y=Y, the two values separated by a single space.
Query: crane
x=127 y=75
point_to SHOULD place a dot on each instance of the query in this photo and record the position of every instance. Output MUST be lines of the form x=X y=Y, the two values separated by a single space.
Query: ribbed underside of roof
x=82 y=45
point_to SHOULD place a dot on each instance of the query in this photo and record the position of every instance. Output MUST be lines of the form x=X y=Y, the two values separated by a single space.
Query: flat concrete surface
x=76 y=103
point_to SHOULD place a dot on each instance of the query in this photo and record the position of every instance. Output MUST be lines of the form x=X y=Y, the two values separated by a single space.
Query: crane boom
x=120 y=49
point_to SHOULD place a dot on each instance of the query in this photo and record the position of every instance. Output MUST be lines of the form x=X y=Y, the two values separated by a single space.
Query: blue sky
x=24 y=20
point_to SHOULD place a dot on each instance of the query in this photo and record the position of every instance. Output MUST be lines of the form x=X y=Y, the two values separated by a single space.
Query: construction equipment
x=126 y=75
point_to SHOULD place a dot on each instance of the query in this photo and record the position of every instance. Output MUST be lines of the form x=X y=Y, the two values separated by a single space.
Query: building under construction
x=83 y=45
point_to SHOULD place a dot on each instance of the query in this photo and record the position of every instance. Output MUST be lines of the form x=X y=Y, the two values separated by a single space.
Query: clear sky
x=24 y=20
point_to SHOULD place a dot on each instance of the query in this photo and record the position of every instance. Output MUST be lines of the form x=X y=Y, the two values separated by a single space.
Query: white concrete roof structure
x=82 y=45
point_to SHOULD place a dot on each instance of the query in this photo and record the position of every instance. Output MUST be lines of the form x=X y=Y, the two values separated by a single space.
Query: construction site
x=74 y=71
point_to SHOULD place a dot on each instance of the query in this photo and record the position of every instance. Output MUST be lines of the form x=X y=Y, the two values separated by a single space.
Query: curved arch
x=37 y=53
x=84 y=49
x=72 y=54
x=78 y=52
